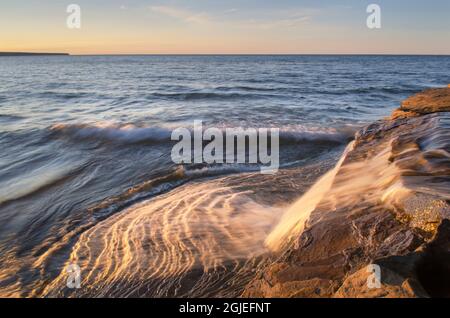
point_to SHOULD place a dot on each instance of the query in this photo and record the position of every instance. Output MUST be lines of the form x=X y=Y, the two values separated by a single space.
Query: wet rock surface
x=388 y=210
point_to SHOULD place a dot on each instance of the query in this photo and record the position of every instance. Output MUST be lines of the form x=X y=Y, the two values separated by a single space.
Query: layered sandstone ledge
x=429 y=101
x=399 y=220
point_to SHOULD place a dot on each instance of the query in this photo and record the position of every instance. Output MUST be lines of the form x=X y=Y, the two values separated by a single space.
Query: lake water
x=86 y=175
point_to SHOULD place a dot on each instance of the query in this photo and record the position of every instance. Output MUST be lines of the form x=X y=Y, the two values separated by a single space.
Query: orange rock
x=428 y=101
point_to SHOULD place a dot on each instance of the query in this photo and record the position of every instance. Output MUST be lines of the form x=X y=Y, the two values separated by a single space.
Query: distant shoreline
x=28 y=54
x=256 y=54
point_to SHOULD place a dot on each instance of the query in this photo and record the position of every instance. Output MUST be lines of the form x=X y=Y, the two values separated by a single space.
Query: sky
x=226 y=27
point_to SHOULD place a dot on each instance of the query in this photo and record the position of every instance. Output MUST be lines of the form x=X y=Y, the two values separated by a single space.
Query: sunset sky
x=225 y=26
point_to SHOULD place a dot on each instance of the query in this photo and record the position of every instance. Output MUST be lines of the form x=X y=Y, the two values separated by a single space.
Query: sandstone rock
x=391 y=285
x=389 y=204
x=426 y=102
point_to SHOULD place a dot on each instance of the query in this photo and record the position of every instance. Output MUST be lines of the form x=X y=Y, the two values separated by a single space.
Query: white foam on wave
x=415 y=160
x=219 y=169
x=293 y=220
x=126 y=132
x=373 y=181
x=114 y=132
x=301 y=133
x=23 y=185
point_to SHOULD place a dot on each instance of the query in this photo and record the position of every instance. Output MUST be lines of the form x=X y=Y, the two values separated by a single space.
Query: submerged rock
x=386 y=207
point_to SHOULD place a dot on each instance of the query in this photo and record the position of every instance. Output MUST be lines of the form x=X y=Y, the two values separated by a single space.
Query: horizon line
x=223 y=54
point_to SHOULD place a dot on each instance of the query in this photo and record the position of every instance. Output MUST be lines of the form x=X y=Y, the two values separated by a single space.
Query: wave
x=372 y=90
x=62 y=95
x=7 y=118
x=162 y=184
x=36 y=180
x=407 y=171
x=294 y=219
x=301 y=134
x=248 y=88
x=130 y=133
x=196 y=96
x=189 y=242
x=113 y=132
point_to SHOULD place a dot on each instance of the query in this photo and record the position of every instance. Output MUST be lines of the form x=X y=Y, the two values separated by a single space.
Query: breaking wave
x=130 y=133
x=402 y=168
x=113 y=132
x=36 y=180
x=293 y=220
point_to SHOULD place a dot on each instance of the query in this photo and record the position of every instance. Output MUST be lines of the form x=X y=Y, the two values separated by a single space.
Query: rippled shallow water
x=86 y=174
